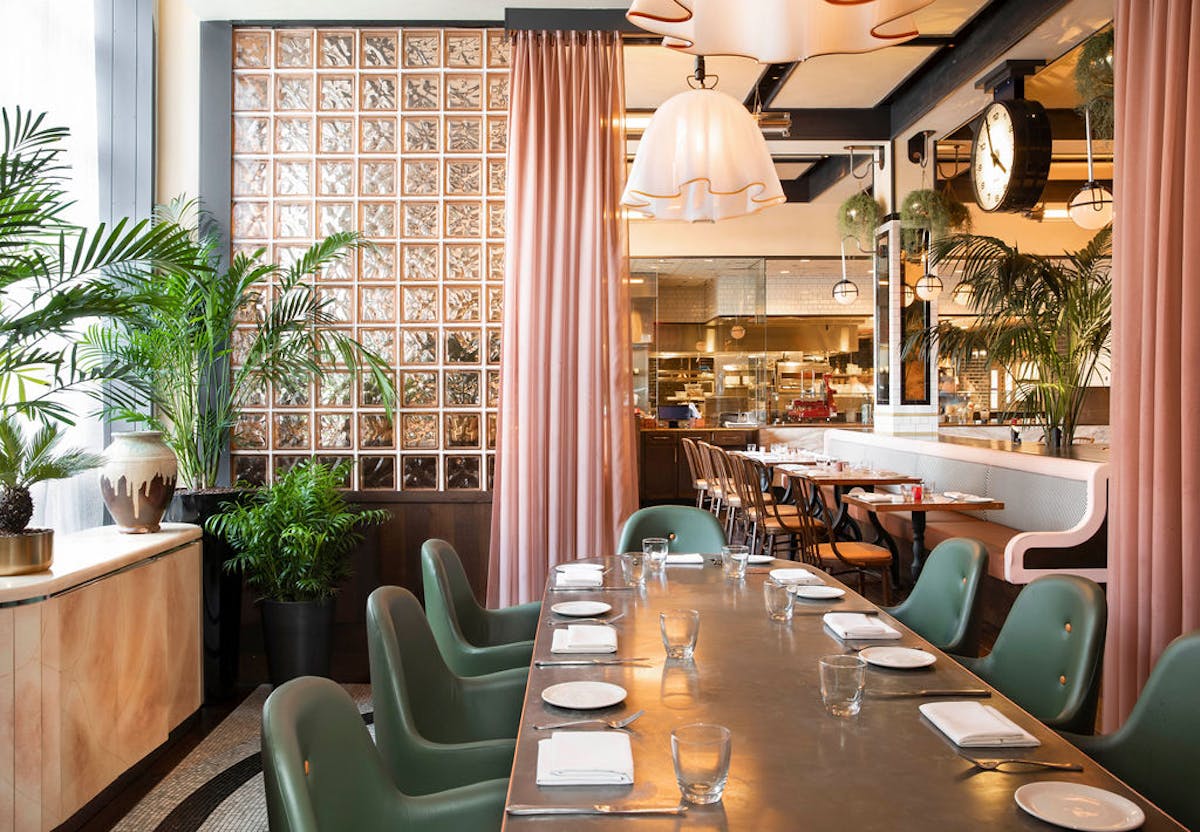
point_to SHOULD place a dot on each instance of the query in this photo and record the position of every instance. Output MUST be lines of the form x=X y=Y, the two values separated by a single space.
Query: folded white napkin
x=972 y=724
x=853 y=625
x=967 y=497
x=585 y=758
x=794 y=576
x=585 y=638
x=877 y=496
x=580 y=567
x=685 y=559
x=579 y=578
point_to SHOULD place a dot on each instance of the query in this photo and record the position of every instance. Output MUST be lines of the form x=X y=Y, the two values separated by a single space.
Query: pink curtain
x=565 y=462
x=1154 y=552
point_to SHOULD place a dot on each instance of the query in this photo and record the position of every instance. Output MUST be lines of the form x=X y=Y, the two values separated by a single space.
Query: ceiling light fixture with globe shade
x=1092 y=205
x=845 y=291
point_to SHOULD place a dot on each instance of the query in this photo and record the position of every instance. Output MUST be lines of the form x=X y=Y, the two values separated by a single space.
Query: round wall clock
x=1010 y=157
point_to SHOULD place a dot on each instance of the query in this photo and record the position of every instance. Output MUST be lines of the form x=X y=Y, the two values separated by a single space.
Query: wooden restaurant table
x=840 y=481
x=793 y=765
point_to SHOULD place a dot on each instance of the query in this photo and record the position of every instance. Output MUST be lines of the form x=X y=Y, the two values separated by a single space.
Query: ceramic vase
x=138 y=480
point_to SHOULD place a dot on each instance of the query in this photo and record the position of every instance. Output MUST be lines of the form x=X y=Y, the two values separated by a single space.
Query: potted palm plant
x=292 y=541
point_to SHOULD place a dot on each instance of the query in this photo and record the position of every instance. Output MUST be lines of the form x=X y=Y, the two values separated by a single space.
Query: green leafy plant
x=216 y=338
x=1094 y=82
x=293 y=539
x=927 y=214
x=858 y=217
x=28 y=459
x=1046 y=319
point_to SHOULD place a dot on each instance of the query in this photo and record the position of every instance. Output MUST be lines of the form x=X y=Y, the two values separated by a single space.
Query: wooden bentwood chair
x=699 y=477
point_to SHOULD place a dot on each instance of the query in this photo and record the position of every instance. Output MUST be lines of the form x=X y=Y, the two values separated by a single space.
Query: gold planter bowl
x=21 y=554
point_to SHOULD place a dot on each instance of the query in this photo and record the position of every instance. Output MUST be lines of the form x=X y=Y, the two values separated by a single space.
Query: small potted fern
x=292 y=540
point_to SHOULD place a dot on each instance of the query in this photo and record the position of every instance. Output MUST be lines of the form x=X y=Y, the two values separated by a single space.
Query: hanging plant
x=958 y=216
x=1094 y=82
x=925 y=209
x=858 y=217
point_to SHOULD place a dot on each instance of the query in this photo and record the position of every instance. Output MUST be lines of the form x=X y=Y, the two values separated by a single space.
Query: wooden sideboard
x=664 y=476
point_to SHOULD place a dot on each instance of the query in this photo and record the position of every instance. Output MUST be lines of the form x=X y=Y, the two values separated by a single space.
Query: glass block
x=419 y=431
x=377 y=472
x=491 y=431
x=464 y=219
x=291 y=431
x=499 y=49
x=493 y=345
x=342 y=269
x=464 y=177
x=422 y=92
x=495 y=261
x=497 y=92
x=378 y=263
x=378 y=92
x=462 y=473
x=250 y=220
x=334 y=389
x=495 y=304
x=419 y=304
x=335 y=302
x=376 y=304
x=464 y=49
x=336 y=135
x=420 y=219
x=377 y=178
x=418 y=346
x=495 y=220
x=463 y=261
x=464 y=134
x=419 y=388
x=370 y=393
x=255 y=395
x=462 y=346
x=462 y=430
x=293 y=92
x=293 y=178
x=250 y=432
x=420 y=177
x=293 y=48
x=464 y=92
x=251 y=134
x=333 y=461
x=497 y=176
x=497 y=130
x=337 y=92
x=250 y=469
x=252 y=308
x=462 y=388
x=378 y=220
x=462 y=304
x=293 y=219
x=421 y=134
x=378 y=135
x=422 y=48
x=293 y=135
x=335 y=177
x=419 y=473
x=283 y=464
x=491 y=472
x=493 y=388
x=334 y=431
x=379 y=50
x=335 y=49
x=419 y=261
x=375 y=431
x=334 y=217
x=288 y=256
x=290 y=394
x=250 y=92
x=250 y=177
x=381 y=342
x=251 y=50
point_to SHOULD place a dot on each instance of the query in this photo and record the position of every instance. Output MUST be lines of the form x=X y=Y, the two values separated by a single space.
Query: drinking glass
x=842 y=680
x=655 y=550
x=680 y=629
x=633 y=567
x=779 y=600
x=701 y=753
x=751 y=447
x=733 y=560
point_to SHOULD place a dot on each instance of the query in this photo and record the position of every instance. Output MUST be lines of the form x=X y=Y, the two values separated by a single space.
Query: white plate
x=903 y=658
x=581 y=608
x=818 y=592
x=760 y=559
x=580 y=696
x=1075 y=806
x=579 y=567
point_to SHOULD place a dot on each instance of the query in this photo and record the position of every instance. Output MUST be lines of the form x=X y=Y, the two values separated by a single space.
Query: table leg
x=918 y=549
x=882 y=538
x=843 y=524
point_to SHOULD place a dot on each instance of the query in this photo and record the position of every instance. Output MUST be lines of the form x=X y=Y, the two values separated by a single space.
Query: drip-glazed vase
x=138 y=480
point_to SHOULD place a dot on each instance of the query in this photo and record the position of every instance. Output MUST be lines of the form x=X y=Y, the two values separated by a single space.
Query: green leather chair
x=435 y=729
x=473 y=640
x=322 y=773
x=1157 y=750
x=687 y=528
x=942 y=604
x=1048 y=654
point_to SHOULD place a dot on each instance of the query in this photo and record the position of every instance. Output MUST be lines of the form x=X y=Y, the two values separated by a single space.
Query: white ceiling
x=945 y=17
x=850 y=80
x=654 y=73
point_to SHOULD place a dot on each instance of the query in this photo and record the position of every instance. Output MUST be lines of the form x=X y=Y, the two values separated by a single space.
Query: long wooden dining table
x=794 y=766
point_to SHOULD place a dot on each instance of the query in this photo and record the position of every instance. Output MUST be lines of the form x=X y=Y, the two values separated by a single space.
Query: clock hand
x=991 y=147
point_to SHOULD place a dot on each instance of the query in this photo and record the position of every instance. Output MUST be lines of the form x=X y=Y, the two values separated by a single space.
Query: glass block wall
x=399 y=134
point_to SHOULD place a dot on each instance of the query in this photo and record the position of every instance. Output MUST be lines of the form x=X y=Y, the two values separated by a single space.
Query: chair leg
x=885 y=577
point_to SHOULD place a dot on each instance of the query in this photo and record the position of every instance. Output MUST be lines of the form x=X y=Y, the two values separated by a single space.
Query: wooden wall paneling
x=28 y=707
x=183 y=660
x=7 y=721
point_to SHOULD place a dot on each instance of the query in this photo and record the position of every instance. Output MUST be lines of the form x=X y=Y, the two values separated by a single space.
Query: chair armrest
x=511 y=624
x=477 y=806
x=492 y=704
x=481 y=661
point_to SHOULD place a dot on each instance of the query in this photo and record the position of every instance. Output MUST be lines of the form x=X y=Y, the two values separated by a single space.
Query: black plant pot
x=299 y=638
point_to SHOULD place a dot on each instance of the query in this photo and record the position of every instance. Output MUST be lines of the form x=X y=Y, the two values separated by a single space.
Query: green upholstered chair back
x=942 y=603
x=1048 y=654
x=450 y=604
x=689 y=529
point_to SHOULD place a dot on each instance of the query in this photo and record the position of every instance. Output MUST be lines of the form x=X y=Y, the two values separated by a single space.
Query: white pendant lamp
x=777 y=31
x=845 y=291
x=701 y=158
x=929 y=285
x=1092 y=205
x=907 y=296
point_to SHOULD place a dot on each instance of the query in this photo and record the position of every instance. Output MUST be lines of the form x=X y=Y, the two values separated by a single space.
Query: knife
x=979 y=693
x=596 y=809
x=585 y=662
x=590 y=588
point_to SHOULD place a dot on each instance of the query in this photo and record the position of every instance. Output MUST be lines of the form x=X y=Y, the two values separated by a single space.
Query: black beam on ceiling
x=1001 y=25
x=838 y=123
x=770 y=84
x=823 y=175
x=602 y=20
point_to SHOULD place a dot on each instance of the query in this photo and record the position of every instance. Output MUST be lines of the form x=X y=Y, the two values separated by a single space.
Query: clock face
x=992 y=157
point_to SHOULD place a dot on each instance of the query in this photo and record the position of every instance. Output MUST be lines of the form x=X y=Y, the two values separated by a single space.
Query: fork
x=570 y=621
x=617 y=724
x=997 y=764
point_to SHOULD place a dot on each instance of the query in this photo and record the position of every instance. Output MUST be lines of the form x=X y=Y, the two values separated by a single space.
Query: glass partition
x=883 y=323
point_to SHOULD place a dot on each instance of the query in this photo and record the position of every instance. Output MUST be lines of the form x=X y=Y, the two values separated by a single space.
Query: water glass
x=751 y=447
x=680 y=629
x=733 y=560
x=842 y=680
x=633 y=568
x=655 y=550
x=779 y=600
x=701 y=754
